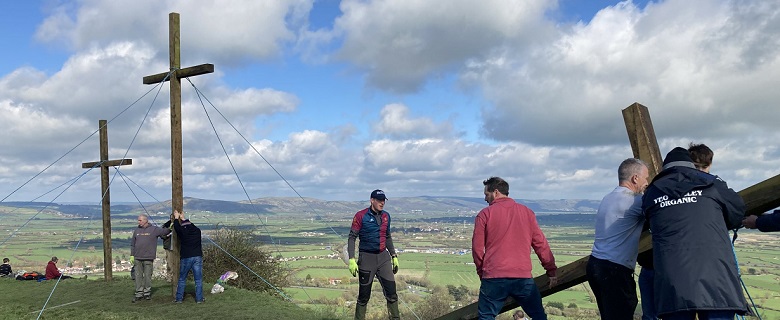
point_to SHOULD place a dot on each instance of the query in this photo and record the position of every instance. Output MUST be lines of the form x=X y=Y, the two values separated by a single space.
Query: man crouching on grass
x=504 y=234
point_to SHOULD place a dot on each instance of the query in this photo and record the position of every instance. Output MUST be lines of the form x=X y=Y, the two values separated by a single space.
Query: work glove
x=395 y=265
x=353 y=268
x=132 y=260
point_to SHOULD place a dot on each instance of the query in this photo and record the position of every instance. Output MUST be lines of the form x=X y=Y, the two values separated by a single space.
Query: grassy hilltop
x=100 y=300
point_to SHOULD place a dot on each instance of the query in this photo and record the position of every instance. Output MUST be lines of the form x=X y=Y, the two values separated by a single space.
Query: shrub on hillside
x=435 y=305
x=239 y=243
x=555 y=304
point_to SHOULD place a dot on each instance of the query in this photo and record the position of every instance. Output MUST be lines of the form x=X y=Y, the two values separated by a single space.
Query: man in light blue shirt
x=619 y=222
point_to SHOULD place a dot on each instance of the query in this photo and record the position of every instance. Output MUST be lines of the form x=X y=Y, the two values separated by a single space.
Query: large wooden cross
x=758 y=198
x=104 y=163
x=176 y=74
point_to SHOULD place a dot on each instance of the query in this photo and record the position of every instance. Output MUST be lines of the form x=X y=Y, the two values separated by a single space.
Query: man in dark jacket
x=690 y=213
x=5 y=268
x=191 y=256
x=764 y=223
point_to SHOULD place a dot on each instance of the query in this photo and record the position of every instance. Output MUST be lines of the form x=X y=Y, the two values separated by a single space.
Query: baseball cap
x=378 y=194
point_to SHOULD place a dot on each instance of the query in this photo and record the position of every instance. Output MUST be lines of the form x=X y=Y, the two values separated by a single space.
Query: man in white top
x=619 y=223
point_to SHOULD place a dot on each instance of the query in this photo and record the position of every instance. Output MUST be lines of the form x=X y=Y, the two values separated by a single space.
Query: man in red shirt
x=504 y=234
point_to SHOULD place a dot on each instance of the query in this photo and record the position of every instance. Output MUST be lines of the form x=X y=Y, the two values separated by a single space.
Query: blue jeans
x=493 y=294
x=196 y=265
x=703 y=315
x=646 y=291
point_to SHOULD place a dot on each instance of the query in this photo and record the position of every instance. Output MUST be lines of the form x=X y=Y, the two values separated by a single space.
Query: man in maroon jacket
x=504 y=234
x=52 y=272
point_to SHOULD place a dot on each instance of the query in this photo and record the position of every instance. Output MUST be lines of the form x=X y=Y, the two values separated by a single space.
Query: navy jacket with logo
x=690 y=214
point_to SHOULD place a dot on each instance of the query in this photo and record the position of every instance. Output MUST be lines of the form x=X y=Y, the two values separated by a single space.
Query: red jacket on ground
x=51 y=271
x=504 y=234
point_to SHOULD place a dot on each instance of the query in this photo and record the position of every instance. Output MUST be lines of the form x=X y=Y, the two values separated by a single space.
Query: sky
x=412 y=97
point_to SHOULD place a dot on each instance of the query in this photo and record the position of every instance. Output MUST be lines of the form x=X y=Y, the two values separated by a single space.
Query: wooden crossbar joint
x=181 y=73
x=108 y=163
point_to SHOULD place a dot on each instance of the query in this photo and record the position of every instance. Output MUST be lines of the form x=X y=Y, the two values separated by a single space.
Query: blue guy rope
x=49 y=203
x=45 y=193
x=110 y=182
x=252 y=271
x=249 y=198
x=739 y=274
x=82 y=141
x=207 y=237
x=76 y=248
x=200 y=94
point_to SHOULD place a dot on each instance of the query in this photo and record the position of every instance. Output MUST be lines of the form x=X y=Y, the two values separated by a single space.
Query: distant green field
x=305 y=253
x=52 y=235
x=317 y=263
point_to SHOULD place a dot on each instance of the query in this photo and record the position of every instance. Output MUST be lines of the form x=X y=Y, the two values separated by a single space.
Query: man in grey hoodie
x=143 y=250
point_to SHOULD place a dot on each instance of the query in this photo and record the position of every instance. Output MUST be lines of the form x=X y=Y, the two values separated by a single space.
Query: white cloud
x=254 y=102
x=400 y=44
x=395 y=122
x=697 y=65
x=552 y=94
x=225 y=32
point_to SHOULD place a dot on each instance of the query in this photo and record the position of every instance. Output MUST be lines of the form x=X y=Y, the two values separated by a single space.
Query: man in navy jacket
x=765 y=223
x=191 y=256
x=690 y=213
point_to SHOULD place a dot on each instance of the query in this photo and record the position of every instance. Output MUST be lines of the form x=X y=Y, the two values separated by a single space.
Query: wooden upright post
x=177 y=183
x=177 y=187
x=644 y=145
x=641 y=135
x=104 y=163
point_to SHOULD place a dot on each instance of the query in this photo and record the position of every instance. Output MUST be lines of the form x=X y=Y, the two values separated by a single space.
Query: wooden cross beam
x=759 y=198
x=177 y=192
x=104 y=163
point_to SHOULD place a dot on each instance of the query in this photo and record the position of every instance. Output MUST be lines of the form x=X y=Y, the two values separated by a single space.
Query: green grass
x=100 y=300
x=299 y=294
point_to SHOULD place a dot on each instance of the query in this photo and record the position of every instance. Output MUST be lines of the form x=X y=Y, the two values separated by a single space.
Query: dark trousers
x=378 y=265
x=646 y=291
x=614 y=288
x=493 y=293
x=703 y=315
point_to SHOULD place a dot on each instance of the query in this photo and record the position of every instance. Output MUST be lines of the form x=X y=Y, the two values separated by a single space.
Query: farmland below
x=436 y=269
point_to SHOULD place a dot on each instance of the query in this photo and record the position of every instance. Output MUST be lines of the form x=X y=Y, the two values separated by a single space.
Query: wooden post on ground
x=759 y=198
x=104 y=163
x=177 y=183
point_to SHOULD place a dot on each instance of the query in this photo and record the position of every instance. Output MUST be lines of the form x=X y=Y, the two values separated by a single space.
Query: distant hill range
x=279 y=205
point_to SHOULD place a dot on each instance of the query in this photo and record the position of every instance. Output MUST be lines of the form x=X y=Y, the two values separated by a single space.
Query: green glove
x=132 y=260
x=353 y=267
x=395 y=265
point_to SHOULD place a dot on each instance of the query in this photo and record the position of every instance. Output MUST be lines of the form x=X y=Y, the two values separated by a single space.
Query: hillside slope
x=87 y=299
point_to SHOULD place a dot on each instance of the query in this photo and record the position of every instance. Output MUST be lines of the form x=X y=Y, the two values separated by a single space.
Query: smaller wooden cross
x=104 y=163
